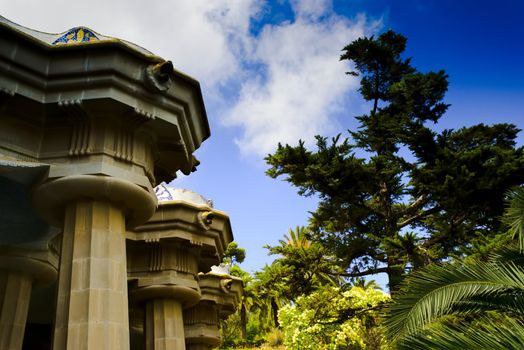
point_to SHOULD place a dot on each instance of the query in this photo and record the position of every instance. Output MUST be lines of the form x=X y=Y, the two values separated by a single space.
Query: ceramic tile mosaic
x=76 y=35
x=163 y=193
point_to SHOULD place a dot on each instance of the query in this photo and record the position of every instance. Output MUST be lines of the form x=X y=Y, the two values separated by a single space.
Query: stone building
x=91 y=127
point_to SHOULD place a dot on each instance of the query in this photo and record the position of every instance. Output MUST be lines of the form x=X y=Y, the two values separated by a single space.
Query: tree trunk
x=395 y=274
x=243 y=321
x=274 y=309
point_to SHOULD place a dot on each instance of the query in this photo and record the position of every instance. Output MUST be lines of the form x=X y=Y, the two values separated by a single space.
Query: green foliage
x=514 y=215
x=231 y=331
x=473 y=305
x=270 y=288
x=300 y=301
x=492 y=333
x=302 y=265
x=441 y=290
x=234 y=254
x=331 y=318
x=275 y=337
x=253 y=320
x=397 y=195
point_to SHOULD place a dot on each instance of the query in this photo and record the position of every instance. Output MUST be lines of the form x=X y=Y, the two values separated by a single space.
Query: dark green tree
x=233 y=254
x=396 y=194
x=234 y=329
x=271 y=288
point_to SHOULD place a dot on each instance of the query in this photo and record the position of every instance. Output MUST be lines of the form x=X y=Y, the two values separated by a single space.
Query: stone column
x=15 y=293
x=92 y=289
x=164 y=325
x=91 y=310
x=108 y=119
x=165 y=285
x=18 y=274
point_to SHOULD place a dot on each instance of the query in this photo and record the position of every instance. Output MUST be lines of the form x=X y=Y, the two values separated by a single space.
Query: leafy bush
x=333 y=319
x=275 y=337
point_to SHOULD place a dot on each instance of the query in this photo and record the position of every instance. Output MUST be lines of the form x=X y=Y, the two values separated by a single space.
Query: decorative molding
x=124 y=142
x=181 y=260
x=155 y=258
x=81 y=127
x=226 y=284
x=203 y=313
x=147 y=115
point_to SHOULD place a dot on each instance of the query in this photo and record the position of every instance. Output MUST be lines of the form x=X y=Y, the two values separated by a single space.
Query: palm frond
x=511 y=302
x=514 y=215
x=437 y=290
x=488 y=333
x=509 y=254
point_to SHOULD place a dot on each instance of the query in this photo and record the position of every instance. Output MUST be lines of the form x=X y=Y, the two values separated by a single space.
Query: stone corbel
x=205 y=219
x=226 y=284
x=160 y=76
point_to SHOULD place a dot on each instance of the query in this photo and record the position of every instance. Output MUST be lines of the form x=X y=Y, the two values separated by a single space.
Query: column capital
x=41 y=266
x=163 y=270
x=137 y=203
x=185 y=295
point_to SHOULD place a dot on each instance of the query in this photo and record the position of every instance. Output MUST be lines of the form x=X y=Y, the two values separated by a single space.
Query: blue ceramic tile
x=76 y=35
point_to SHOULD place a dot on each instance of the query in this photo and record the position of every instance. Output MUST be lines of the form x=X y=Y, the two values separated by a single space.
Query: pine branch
x=418 y=216
x=417 y=204
x=366 y=273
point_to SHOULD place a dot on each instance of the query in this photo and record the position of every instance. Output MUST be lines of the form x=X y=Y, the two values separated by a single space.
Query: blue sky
x=270 y=73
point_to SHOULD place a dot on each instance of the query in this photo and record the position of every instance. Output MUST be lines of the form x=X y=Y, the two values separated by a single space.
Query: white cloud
x=311 y=9
x=302 y=85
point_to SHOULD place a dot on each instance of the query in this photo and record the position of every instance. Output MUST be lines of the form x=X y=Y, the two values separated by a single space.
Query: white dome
x=166 y=193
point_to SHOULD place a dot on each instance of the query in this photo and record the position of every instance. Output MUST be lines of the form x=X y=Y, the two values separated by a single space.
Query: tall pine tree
x=418 y=195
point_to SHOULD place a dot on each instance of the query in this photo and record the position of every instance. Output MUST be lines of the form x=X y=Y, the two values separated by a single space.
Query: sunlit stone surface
x=89 y=125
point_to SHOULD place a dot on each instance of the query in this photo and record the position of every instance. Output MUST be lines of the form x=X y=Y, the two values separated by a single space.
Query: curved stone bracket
x=205 y=219
x=226 y=284
x=160 y=76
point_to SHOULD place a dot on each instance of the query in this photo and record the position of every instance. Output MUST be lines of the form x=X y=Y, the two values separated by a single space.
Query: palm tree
x=306 y=263
x=475 y=305
x=297 y=238
x=365 y=283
